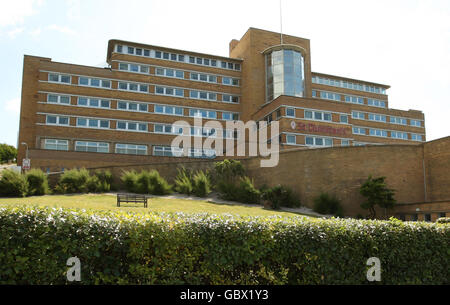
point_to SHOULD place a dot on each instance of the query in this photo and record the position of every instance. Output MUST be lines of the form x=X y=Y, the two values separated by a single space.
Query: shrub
x=124 y=248
x=247 y=192
x=159 y=185
x=377 y=193
x=443 y=220
x=183 y=184
x=279 y=196
x=327 y=204
x=37 y=182
x=73 y=181
x=201 y=184
x=129 y=180
x=13 y=184
x=150 y=182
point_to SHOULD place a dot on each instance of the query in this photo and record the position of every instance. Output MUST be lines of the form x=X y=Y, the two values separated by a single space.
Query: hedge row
x=124 y=248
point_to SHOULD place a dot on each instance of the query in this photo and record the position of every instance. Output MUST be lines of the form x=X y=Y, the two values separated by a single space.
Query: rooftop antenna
x=281 y=25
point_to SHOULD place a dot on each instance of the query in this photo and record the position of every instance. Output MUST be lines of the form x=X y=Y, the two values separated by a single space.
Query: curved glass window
x=284 y=74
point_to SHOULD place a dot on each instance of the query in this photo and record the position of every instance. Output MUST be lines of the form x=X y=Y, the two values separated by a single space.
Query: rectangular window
x=92 y=123
x=344 y=118
x=57 y=120
x=131 y=149
x=54 y=144
x=290 y=112
x=132 y=126
x=130 y=106
x=99 y=147
x=291 y=139
x=58 y=99
x=359 y=130
x=170 y=110
x=345 y=143
x=415 y=123
x=358 y=115
x=416 y=137
x=59 y=78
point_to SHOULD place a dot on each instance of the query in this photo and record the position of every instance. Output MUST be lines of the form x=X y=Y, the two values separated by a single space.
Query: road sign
x=26 y=164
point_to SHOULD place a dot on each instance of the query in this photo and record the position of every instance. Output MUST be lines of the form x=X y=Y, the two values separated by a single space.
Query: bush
x=183 y=184
x=280 y=196
x=146 y=182
x=443 y=220
x=124 y=248
x=13 y=184
x=327 y=204
x=37 y=182
x=129 y=180
x=247 y=192
x=201 y=185
x=73 y=181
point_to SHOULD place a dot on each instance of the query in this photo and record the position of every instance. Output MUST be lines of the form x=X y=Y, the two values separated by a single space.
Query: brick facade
x=65 y=104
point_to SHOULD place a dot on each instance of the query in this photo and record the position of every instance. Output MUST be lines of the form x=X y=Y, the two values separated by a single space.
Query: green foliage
x=201 y=184
x=327 y=204
x=129 y=180
x=228 y=171
x=247 y=193
x=7 y=153
x=183 y=181
x=280 y=196
x=145 y=182
x=73 y=181
x=443 y=220
x=377 y=193
x=125 y=248
x=37 y=182
x=227 y=174
x=13 y=184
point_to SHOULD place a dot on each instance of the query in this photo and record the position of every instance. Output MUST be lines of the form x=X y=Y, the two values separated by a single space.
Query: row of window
x=141 y=107
x=384 y=133
x=144 y=88
x=167 y=72
x=347 y=85
x=137 y=126
x=383 y=118
x=129 y=149
x=348 y=98
x=178 y=57
x=195 y=131
x=314 y=141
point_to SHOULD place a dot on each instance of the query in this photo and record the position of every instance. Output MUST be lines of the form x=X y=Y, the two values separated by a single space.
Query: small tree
x=377 y=193
x=7 y=153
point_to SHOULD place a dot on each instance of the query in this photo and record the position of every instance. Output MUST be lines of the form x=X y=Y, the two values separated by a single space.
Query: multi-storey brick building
x=74 y=116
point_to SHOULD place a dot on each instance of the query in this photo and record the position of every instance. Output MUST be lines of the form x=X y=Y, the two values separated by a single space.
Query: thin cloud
x=61 y=29
x=13 y=106
x=15 y=12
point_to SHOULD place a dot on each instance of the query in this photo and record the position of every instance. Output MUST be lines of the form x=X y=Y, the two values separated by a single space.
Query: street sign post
x=26 y=164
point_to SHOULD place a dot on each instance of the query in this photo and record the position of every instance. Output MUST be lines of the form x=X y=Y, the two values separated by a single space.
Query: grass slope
x=156 y=204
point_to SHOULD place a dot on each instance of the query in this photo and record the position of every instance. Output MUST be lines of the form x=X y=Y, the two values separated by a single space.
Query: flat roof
x=352 y=79
x=111 y=43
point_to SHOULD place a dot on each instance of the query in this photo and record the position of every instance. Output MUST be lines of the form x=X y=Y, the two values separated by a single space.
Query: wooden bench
x=131 y=198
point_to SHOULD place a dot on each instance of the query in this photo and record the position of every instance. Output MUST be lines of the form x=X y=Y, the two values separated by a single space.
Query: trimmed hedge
x=125 y=248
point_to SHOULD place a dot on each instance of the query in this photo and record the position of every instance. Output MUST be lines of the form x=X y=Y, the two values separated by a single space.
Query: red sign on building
x=310 y=127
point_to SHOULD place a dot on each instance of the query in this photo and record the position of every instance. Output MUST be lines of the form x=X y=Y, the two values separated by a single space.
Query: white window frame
x=58 y=118
x=58 y=97
x=88 y=120
x=129 y=148
x=60 y=76
x=98 y=146
x=58 y=143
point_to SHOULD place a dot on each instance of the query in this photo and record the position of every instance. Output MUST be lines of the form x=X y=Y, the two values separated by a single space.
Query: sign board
x=26 y=164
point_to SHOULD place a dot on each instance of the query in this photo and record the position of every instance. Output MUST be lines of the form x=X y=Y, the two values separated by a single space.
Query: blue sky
x=405 y=44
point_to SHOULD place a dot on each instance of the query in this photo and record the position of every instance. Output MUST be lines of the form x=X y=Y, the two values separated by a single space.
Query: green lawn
x=156 y=204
